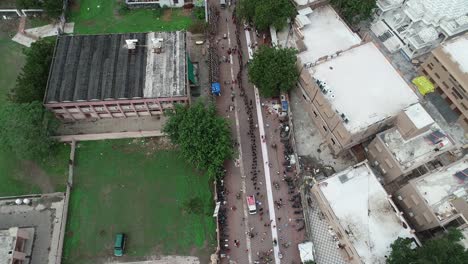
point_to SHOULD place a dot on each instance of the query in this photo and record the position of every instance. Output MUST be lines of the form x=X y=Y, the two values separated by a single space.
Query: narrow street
x=272 y=234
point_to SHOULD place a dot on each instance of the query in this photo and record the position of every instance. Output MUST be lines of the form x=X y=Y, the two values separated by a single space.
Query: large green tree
x=354 y=11
x=24 y=130
x=32 y=81
x=441 y=250
x=273 y=70
x=266 y=13
x=204 y=138
x=52 y=8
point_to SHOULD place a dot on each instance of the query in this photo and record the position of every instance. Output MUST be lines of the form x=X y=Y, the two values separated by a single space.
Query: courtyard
x=139 y=187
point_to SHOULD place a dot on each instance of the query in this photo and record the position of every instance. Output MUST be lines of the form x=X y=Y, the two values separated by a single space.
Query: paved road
x=255 y=156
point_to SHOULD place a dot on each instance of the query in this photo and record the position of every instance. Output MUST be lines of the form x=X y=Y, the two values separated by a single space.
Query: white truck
x=251 y=204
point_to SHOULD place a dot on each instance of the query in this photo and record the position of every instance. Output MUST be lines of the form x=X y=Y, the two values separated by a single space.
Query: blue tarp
x=216 y=89
x=284 y=106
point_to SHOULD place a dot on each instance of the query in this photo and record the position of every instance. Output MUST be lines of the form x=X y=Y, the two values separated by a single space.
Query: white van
x=222 y=3
x=251 y=204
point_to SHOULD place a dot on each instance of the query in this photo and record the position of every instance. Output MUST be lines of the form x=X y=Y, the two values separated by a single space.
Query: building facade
x=436 y=200
x=158 y=3
x=346 y=103
x=414 y=141
x=447 y=68
x=12 y=245
x=415 y=27
x=117 y=75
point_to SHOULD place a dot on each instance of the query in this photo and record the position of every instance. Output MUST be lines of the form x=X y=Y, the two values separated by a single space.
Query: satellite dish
x=18 y=201
x=26 y=201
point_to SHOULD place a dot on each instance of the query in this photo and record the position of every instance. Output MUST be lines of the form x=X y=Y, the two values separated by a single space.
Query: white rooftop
x=362 y=207
x=7 y=244
x=417 y=150
x=365 y=86
x=325 y=35
x=458 y=50
x=433 y=11
x=440 y=187
x=418 y=115
x=304 y=2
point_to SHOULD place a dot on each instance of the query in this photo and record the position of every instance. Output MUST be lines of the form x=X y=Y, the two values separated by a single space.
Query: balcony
x=386 y=5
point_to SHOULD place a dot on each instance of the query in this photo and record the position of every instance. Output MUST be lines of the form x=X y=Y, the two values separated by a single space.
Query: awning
x=216 y=89
x=306 y=251
x=191 y=71
x=424 y=85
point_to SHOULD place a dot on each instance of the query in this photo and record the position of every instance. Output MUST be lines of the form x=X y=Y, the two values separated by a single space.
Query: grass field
x=102 y=16
x=127 y=186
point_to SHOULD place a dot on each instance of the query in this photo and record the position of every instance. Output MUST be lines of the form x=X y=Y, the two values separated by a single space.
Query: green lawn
x=102 y=16
x=124 y=186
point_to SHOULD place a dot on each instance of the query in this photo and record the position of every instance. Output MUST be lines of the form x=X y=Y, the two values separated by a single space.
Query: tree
x=32 y=81
x=24 y=131
x=441 y=250
x=260 y=12
x=354 y=11
x=53 y=8
x=273 y=70
x=194 y=206
x=203 y=137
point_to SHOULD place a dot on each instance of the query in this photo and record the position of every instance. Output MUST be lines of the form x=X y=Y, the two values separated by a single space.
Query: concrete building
x=436 y=200
x=363 y=219
x=12 y=245
x=353 y=95
x=117 y=75
x=447 y=68
x=414 y=141
x=415 y=27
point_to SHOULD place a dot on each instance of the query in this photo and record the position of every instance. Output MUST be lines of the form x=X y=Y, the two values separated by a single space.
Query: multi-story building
x=12 y=245
x=117 y=75
x=414 y=141
x=353 y=95
x=415 y=27
x=158 y=3
x=362 y=218
x=438 y=199
x=447 y=68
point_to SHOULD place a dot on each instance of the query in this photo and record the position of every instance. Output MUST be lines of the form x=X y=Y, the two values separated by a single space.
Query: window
x=445 y=69
x=325 y=128
x=464 y=106
x=383 y=170
x=436 y=59
x=429 y=66
x=457 y=94
x=428 y=217
x=333 y=141
x=379 y=149
x=437 y=75
x=445 y=85
x=415 y=200
x=389 y=164
x=176 y=1
x=315 y=114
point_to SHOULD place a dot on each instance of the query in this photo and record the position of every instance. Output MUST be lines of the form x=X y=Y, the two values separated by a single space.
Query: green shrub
x=199 y=13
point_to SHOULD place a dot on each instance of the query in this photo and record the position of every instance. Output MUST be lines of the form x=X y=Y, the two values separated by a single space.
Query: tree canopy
x=203 y=137
x=53 y=8
x=441 y=250
x=266 y=13
x=24 y=131
x=32 y=81
x=273 y=70
x=354 y=11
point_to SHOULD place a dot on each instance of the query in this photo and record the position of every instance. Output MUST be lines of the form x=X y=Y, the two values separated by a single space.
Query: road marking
x=241 y=163
x=266 y=168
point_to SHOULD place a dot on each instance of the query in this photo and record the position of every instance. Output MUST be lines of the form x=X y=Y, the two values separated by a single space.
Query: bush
x=199 y=13
x=198 y=27
x=123 y=9
x=158 y=12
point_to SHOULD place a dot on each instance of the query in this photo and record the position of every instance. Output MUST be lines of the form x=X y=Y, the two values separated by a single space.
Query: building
x=12 y=245
x=436 y=200
x=415 y=27
x=414 y=141
x=309 y=3
x=353 y=95
x=117 y=75
x=447 y=68
x=158 y=3
x=363 y=219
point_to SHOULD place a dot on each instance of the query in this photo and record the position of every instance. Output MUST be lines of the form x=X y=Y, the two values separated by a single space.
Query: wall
x=377 y=151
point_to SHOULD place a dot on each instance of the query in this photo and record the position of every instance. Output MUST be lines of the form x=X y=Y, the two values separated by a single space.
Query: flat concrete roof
x=325 y=35
x=440 y=187
x=100 y=67
x=363 y=209
x=457 y=49
x=7 y=243
x=363 y=86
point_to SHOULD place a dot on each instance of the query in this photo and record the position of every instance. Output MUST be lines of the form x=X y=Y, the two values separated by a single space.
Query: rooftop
x=304 y=2
x=457 y=50
x=440 y=187
x=365 y=75
x=7 y=244
x=434 y=11
x=418 y=115
x=100 y=67
x=325 y=35
x=363 y=209
x=417 y=150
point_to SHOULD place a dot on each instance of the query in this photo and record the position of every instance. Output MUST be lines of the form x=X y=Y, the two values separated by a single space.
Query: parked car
x=119 y=245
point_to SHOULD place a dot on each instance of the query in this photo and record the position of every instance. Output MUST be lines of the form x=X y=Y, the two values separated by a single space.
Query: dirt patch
x=74 y=5
x=33 y=173
x=8 y=27
x=186 y=12
x=167 y=16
